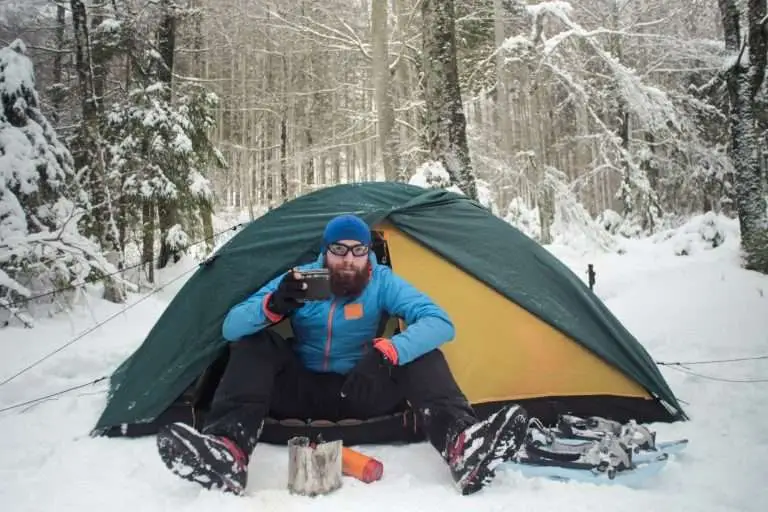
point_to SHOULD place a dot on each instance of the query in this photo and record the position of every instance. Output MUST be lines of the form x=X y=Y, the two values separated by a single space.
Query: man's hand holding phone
x=296 y=288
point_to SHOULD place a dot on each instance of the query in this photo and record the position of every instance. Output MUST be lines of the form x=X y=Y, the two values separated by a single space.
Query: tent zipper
x=330 y=333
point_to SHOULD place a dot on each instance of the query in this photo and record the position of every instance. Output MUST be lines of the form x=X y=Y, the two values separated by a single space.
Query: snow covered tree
x=160 y=153
x=593 y=78
x=97 y=36
x=41 y=199
x=433 y=175
x=611 y=93
x=446 y=125
x=745 y=75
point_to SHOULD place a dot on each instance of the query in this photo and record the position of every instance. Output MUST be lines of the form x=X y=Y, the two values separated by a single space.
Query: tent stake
x=591 y=274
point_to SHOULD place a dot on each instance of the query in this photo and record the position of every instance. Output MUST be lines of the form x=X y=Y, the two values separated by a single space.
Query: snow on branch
x=41 y=201
x=341 y=39
x=432 y=174
x=651 y=105
x=173 y=164
x=635 y=128
x=556 y=8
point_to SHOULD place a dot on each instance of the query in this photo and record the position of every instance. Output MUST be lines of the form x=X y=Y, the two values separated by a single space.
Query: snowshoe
x=570 y=472
x=211 y=461
x=593 y=450
x=543 y=447
x=474 y=453
x=636 y=436
x=640 y=439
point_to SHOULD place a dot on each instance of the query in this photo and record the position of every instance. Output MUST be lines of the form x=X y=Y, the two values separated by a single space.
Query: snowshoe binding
x=474 y=452
x=211 y=461
x=544 y=447
x=635 y=436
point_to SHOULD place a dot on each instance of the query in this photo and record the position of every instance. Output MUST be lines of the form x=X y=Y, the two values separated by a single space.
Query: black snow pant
x=264 y=377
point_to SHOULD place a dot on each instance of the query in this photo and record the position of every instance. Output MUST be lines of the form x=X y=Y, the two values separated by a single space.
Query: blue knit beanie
x=346 y=227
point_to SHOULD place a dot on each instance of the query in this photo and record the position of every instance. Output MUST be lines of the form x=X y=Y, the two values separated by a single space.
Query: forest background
x=131 y=129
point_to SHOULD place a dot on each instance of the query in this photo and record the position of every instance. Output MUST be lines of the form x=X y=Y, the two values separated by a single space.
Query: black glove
x=369 y=372
x=289 y=295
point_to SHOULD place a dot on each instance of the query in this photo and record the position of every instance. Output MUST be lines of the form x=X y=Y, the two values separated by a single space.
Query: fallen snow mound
x=701 y=233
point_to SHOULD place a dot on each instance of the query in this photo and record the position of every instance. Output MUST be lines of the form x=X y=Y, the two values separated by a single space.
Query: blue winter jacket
x=332 y=334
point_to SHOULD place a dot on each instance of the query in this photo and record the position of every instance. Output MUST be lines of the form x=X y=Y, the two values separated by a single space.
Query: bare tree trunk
x=148 y=239
x=270 y=122
x=125 y=202
x=502 y=92
x=57 y=94
x=288 y=107
x=310 y=174
x=90 y=73
x=206 y=216
x=446 y=124
x=87 y=155
x=99 y=64
x=404 y=91
x=744 y=80
x=283 y=158
x=245 y=151
x=386 y=114
x=206 y=205
x=168 y=209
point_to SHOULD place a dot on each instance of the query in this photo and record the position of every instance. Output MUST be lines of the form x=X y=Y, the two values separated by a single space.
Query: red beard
x=345 y=284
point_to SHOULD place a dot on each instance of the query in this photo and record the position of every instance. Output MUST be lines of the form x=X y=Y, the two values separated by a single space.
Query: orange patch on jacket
x=353 y=311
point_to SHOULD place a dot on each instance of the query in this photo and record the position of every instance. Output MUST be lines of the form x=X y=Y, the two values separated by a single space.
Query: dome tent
x=527 y=329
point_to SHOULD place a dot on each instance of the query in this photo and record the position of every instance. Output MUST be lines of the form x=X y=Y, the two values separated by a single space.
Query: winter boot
x=473 y=452
x=212 y=461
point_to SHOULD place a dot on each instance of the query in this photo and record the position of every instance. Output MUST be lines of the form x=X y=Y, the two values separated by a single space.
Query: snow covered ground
x=683 y=308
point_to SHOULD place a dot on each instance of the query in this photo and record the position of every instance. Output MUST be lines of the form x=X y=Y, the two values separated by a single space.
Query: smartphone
x=318 y=284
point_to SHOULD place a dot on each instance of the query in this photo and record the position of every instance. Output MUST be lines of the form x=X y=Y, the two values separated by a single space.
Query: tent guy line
x=672 y=365
x=88 y=331
x=712 y=361
x=53 y=395
x=718 y=379
x=21 y=302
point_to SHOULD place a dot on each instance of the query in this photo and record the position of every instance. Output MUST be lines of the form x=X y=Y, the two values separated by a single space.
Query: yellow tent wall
x=502 y=352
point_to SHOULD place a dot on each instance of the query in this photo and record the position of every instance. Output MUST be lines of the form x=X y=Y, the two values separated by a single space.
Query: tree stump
x=313 y=469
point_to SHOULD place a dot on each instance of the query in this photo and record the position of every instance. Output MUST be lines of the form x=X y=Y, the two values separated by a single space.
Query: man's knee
x=264 y=343
x=434 y=359
x=429 y=372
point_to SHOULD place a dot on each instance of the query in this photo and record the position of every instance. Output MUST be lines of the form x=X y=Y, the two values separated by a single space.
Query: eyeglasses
x=358 y=250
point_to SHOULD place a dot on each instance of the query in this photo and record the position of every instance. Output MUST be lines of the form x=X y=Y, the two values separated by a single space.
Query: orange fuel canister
x=360 y=466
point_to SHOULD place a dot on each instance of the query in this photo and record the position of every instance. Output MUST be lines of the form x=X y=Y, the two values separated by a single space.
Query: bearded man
x=337 y=368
